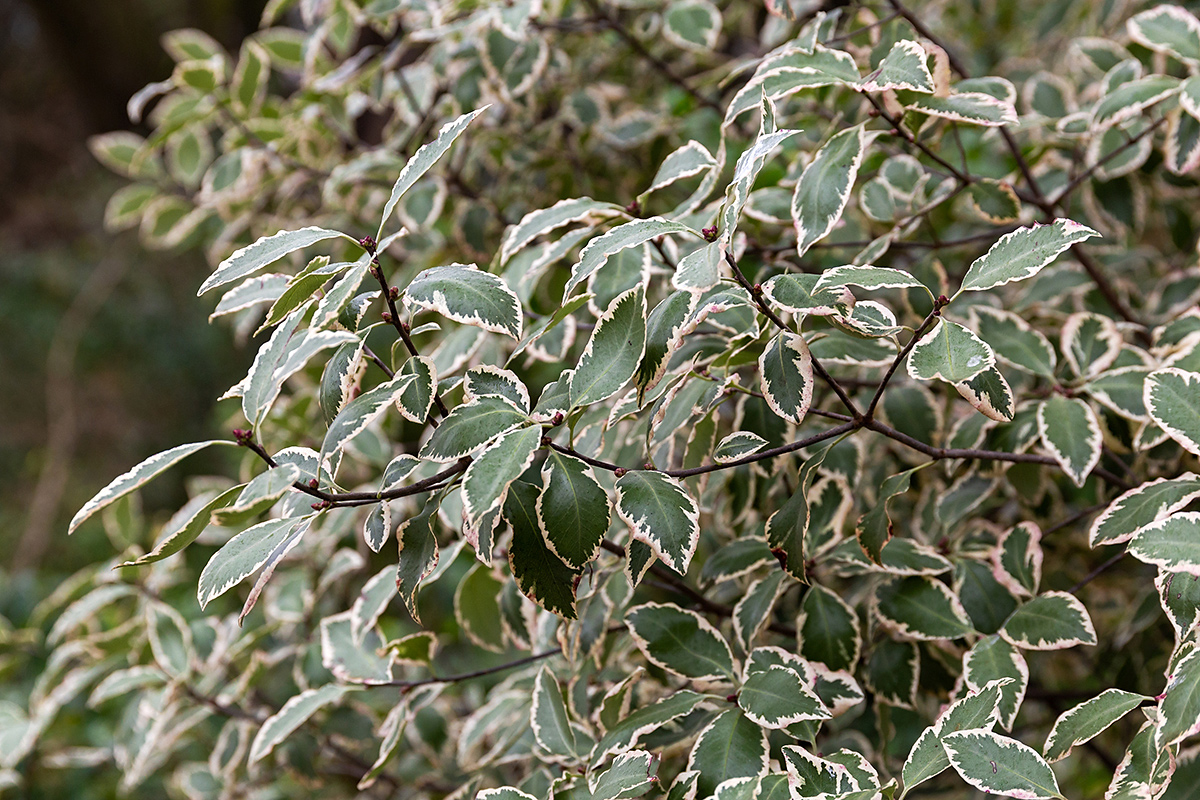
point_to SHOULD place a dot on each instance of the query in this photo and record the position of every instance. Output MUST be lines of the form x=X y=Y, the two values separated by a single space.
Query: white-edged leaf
x=488 y=477
x=632 y=774
x=544 y=220
x=548 y=716
x=1088 y=720
x=1172 y=398
x=614 y=351
x=466 y=294
x=999 y=765
x=692 y=24
x=950 y=353
x=1022 y=254
x=294 y=713
x=470 y=426
x=1070 y=431
x=135 y=478
x=904 y=67
x=977 y=711
x=242 y=555
x=1050 y=621
x=660 y=513
x=921 y=608
x=428 y=155
x=824 y=187
x=867 y=277
x=372 y=601
x=777 y=697
x=737 y=445
x=362 y=411
x=1167 y=28
x=1172 y=543
x=680 y=641
x=265 y=251
x=786 y=372
x=798 y=293
x=595 y=254
x=573 y=511
x=1142 y=506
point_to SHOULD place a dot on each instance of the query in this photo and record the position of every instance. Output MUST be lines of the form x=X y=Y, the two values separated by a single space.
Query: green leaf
x=1051 y=621
x=417 y=554
x=415 y=401
x=572 y=509
x=791 y=71
x=1091 y=343
x=990 y=395
x=488 y=477
x=664 y=329
x=921 y=608
x=1179 y=708
x=892 y=671
x=470 y=426
x=739 y=445
x=477 y=608
x=928 y=759
x=950 y=353
x=867 y=277
x=423 y=160
x=1172 y=543
x=464 y=293
x=680 y=641
x=660 y=513
x=1142 y=506
x=787 y=528
x=1122 y=390
x=699 y=270
x=1088 y=720
x=1015 y=341
x=786 y=371
x=486 y=380
x=548 y=716
x=685 y=161
x=503 y=793
x=361 y=412
x=1167 y=29
x=817 y=777
x=1070 y=431
x=776 y=697
x=259 y=494
x=265 y=251
x=992 y=659
x=874 y=528
x=186 y=526
x=242 y=555
x=631 y=234
x=827 y=630
x=540 y=574
x=136 y=478
x=630 y=730
x=1131 y=99
x=824 y=186
x=904 y=67
x=799 y=294
x=1172 y=398
x=613 y=352
x=1018 y=559
x=998 y=765
x=732 y=746
x=753 y=611
x=544 y=220
x=692 y=24
x=294 y=713
x=631 y=775
x=974 y=108
x=1022 y=254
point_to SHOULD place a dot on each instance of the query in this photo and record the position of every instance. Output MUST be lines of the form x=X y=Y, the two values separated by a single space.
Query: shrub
x=582 y=309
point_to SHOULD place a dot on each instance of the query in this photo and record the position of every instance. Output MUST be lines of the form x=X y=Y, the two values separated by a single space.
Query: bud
x=619 y=472
x=558 y=418
x=648 y=466
x=394 y=293
x=709 y=234
x=545 y=441
x=387 y=317
x=731 y=698
x=634 y=209
x=243 y=436
x=367 y=243
x=313 y=483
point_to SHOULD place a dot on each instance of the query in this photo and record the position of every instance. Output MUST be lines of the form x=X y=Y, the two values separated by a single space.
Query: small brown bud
x=709 y=234
x=387 y=316
x=545 y=441
x=558 y=418
x=243 y=436
x=634 y=209
x=648 y=466
x=313 y=483
x=394 y=293
x=731 y=698
x=367 y=243
x=619 y=472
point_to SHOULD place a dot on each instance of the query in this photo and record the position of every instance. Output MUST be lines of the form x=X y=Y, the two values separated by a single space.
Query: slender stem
x=479 y=673
x=915 y=142
x=938 y=304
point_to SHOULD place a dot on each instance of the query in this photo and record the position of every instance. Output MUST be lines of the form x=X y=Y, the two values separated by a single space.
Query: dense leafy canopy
x=761 y=406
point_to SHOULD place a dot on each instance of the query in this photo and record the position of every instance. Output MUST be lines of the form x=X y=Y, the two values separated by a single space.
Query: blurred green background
x=106 y=356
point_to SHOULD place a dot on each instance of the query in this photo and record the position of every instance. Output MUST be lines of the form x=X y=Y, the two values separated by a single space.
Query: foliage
x=737 y=386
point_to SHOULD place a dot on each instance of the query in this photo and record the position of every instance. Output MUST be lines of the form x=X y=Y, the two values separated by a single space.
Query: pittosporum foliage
x=666 y=400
